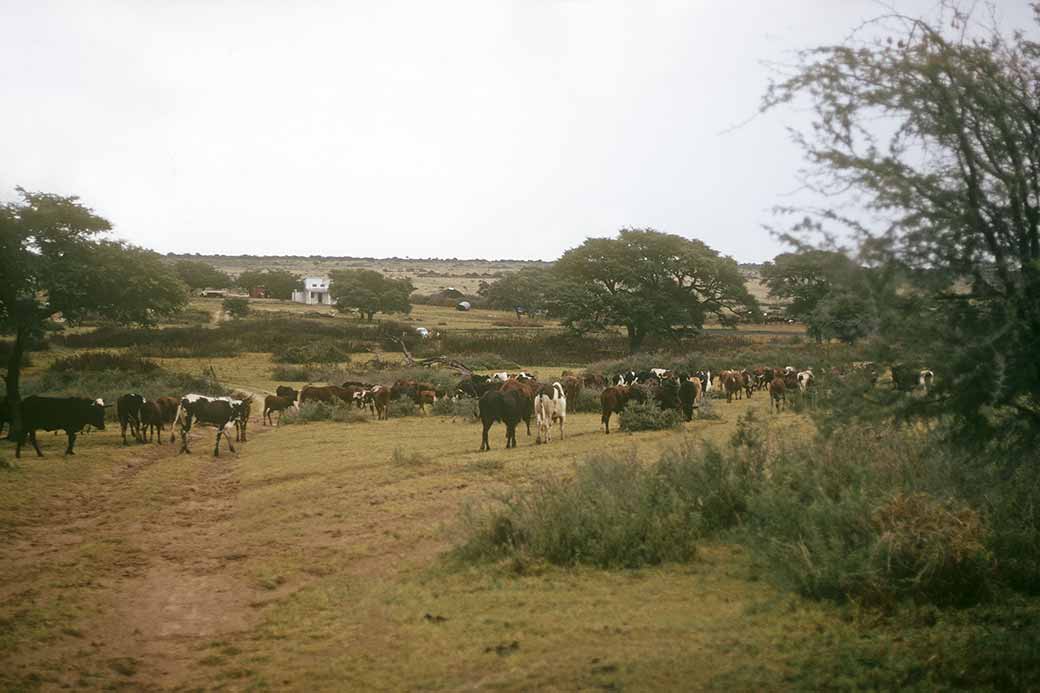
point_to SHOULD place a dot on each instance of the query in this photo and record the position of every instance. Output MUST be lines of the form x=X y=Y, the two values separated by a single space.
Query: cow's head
x=96 y=414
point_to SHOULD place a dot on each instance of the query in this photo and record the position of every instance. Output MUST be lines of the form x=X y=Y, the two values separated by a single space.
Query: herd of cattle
x=502 y=397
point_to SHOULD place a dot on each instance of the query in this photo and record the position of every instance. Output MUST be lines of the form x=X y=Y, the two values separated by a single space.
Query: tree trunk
x=635 y=338
x=14 y=374
x=370 y=315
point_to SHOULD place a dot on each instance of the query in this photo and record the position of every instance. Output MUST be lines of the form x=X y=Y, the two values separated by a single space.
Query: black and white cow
x=219 y=412
x=70 y=414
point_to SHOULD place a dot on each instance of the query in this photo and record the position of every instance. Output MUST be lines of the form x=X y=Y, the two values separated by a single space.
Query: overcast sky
x=470 y=129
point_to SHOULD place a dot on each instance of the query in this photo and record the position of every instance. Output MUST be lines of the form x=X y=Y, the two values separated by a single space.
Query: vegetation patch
x=104 y=361
x=648 y=416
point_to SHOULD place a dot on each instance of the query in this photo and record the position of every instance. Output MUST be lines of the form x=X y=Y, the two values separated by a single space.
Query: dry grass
x=310 y=560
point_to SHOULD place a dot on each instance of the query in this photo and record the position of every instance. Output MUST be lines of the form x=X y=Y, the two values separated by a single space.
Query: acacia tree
x=54 y=260
x=826 y=290
x=202 y=275
x=369 y=292
x=529 y=288
x=279 y=283
x=952 y=192
x=649 y=283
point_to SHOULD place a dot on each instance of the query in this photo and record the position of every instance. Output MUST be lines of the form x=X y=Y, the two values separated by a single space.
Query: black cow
x=69 y=414
x=128 y=411
x=286 y=391
x=507 y=407
x=667 y=394
x=475 y=386
x=689 y=393
x=219 y=412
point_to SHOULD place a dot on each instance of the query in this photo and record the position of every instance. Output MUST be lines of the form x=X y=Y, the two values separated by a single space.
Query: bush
x=464 y=408
x=104 y=361
x=587 y=401
x=613 y=513
x=648 y=416
x=236 y=307
x=320 y=411
x=319 y=351
x=403 y=406
x=110 y=384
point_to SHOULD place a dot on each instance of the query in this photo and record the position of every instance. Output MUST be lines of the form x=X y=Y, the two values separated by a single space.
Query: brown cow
x=748 y=381
x=274 y=403
x=151 y=420
x=168 y=412
x=571 y=388
x=732 y=383
x=528 y=390
x=424 y=397
x=328 y=394
x=594 y=381
x=777 y=395
x=380 y=395
x=613 y=401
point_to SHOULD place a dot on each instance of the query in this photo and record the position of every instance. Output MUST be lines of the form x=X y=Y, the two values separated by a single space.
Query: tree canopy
x=202 y=275
x=931 y=130
x=369 y=292
x=649 y=283
x=529 y=288
x=53 y=260
x=826 y=290
x=279 y=283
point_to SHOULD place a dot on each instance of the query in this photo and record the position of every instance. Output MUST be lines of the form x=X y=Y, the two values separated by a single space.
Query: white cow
x=500 y=377
x=925 y=380
x=805 y=380
x=549 y=408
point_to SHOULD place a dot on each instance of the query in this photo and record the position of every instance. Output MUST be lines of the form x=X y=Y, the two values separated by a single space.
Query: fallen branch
x=433 y=360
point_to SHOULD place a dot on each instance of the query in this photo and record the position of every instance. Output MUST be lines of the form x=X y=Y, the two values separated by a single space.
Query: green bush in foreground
x=464 y=408
x=586 y=402
x=613 y=514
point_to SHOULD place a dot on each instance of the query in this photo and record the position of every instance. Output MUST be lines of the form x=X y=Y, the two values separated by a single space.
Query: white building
x=315 y=292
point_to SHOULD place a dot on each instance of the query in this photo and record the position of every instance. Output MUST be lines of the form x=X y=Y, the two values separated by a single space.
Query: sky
x=488 y=129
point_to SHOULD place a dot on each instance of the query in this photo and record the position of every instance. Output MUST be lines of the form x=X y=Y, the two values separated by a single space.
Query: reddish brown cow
x=777 y=395
x=528 y=390
x=595 y=381
x=151 y=421
x=571 y=388
x=732 y=383
x=613 y=401
x=274 y=403
x=424 y=397
x=381 y=401
x=748 y=382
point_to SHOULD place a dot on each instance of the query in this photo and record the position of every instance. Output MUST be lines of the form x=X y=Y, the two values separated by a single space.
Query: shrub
x=587 y=401
x=613 y=513
x=104 y=361
x=236 y=307
x=321 y=411
x=297 y=373
x=318 y=351
x=402 y=407
x=464 y=408
x=647 y=416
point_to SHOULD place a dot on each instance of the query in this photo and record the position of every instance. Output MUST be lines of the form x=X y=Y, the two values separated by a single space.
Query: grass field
x=310 y=559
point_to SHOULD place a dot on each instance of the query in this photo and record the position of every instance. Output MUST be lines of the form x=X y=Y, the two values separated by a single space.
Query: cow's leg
x=36 y=445
x=18 y=445
x=228 y=436
x=122 y=430
x=72 y=442
x=484 y=445
x=606 y=421
x=184 y=439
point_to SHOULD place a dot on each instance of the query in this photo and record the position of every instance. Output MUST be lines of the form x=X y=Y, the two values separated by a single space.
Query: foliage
x=530 y=288
x=612 y=514
x=110 y=383
x=201 y=275
x=104 y=361
x=312 y=411
x=53 y=260
x=279 y=283
x=587 y=402
x=825 y=290
x=236 y=307
x=368 y=292
x=647 y=416
x=310 y=373
x=949 y=183
x=316 y=351
x=403 y=406
x=650 y=283
x=464 y=408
